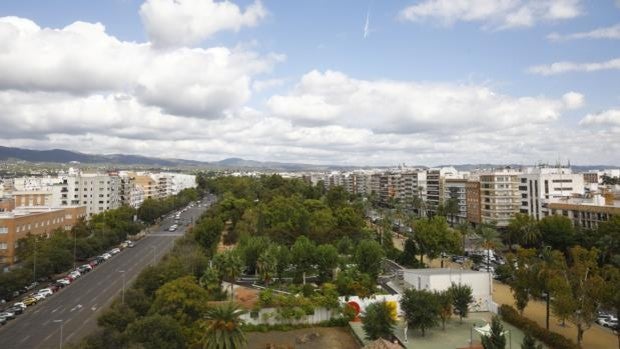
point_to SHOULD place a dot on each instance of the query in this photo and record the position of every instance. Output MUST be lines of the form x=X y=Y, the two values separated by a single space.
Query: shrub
x=551 y=339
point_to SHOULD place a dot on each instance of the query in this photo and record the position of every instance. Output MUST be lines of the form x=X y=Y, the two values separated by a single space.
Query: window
x=4 y=230
x=3 y=246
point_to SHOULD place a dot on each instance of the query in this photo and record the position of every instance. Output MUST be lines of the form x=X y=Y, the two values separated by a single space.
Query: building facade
x=500 y=198
x=40 y=221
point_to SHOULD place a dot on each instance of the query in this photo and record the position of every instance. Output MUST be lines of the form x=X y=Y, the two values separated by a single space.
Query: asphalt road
x=76 y=307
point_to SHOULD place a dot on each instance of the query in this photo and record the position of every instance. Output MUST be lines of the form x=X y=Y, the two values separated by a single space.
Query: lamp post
x=61 y=324
x=34 y=266
x=123 y=290
x=74 y=248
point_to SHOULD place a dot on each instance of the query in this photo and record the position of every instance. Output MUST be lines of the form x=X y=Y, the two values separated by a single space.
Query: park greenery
x=306 y=246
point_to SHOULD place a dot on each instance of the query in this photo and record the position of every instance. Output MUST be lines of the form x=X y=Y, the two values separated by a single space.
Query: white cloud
x=386 y=106
x=612 y=32
x=609 y=117
x=566 y=67
x=573 y=100
x=82 y=58
x=498 y=14
x=186 y=22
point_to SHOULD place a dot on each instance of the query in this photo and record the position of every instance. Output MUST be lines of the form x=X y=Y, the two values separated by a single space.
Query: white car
x=64 y=281
x=115 y=251
x=20 y=304
x=38 y=297
x=75 y=274
x=46 y=292
x=106 y=256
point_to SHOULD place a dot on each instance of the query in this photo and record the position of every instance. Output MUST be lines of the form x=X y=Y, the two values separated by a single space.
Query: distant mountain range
x=67 y=156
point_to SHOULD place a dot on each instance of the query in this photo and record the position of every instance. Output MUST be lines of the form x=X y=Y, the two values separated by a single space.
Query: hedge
x=551 y=339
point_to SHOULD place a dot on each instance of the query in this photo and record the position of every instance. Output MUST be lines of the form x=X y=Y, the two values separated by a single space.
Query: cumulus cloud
x=567 y=67
x=609 y=117
x=186 y=22
x=82 y=58
x=387 y=106
x=612 y=32
x=497 y=14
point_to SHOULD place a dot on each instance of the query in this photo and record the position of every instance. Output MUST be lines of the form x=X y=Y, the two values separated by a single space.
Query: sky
x=348 y=82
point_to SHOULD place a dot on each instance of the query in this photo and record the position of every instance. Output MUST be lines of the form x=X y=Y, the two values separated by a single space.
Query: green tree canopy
x=378 y=322
x=421 y=309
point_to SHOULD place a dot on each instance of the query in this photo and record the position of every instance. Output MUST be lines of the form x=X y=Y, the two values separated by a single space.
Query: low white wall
x=269 y=316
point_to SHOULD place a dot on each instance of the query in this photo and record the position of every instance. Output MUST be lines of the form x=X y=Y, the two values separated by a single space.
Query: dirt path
x=314 y=337
x=596 y=337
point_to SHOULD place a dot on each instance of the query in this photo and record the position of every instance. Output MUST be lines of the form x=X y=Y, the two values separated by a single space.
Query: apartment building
x=500 y=198
x=411 y=184
x=433 y=190
x=586 y=212
x=456 y=189
x=97 y=192
x=472 y=197
x=539 y=184
x=18 y=223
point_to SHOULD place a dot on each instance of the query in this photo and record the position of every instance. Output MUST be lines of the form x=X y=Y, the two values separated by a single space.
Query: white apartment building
x=456 y=189
x=538 y=185
x=500 y=198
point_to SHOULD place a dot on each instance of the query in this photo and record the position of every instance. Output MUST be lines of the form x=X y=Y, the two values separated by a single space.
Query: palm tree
x=230 y=266
x=489 y=240
x=224 y=328
x=267 y=263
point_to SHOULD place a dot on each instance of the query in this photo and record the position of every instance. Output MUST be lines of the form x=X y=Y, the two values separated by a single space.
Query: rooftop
x=442 y=271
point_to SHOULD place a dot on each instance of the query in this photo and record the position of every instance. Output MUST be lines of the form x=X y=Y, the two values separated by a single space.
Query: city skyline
x=353 y=83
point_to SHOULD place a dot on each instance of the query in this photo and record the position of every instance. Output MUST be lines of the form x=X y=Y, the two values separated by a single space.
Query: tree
x=156 y=332
x=557 y=232
x=611 y=296
x=609 y=240
x=461 y=299
x=208 y=232
x=267 y=264
x=581 y=287
x=183 y=299
x=495 y=339
x=409 y=256
x=353 y=282
x=489 y=240
x=523 y=229
x=378 y=321
x=444 y=300
x=451 y=208
x=211 y=282
x=224 y=328
x=303 y=255
x=530 y=343
x=524 y=276
x=369 y=256
x=326 y=261
x=421 y=309
x=229 y=266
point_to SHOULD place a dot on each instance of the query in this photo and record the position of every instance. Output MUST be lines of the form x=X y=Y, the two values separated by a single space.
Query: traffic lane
x=73 y=306
x=80 y=302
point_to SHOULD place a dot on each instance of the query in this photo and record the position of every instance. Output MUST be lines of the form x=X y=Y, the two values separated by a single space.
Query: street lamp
x=74 y=248
x=123 y=290
x=61 y=324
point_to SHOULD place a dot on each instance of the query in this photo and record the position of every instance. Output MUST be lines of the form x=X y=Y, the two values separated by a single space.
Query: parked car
x=30 y=287
x=63 y=281
x=55 y=288
x=20 y=304
x=75 y=274
x=16 y=310
x=93 y=263
x=114 y=251
x=3 y=320
x=46 y=292
x=100 y=259
x=131 y=244
x=84 y=268
x=124 y=244
x=38 y=297
x=58 y=286
x=30 y=301
x=7 y=314
x=106 y=256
